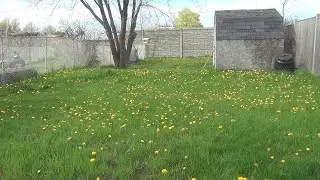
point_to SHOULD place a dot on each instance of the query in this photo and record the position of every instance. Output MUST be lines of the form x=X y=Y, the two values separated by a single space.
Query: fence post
x=74 y=49
x=181 y=42
x=46 y=57
x=110 y=58
x=315 y=42
x=73 y=53
x=2 y=63
x=142 y=34
x=29 y=50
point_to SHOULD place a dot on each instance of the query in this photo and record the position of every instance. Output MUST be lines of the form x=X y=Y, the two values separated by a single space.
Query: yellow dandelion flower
x=290 y=134
x=156 y=152
x=94 y=153
x=193 y=179
x=164 y=171
x=220 y=127
x=98 y=178
x=272 y=157
x=69 y=138
x=39 y=171
x=242 y=178
x=308 y=149
x=171 y=127
x=92 y=160
x=283 y=161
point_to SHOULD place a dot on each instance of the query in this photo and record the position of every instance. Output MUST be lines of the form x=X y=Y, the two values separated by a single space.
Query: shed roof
x=248 y=24
x=248 y=13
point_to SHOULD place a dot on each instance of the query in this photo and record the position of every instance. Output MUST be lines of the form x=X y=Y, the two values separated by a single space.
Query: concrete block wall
x=177 y=42
x=197 y=42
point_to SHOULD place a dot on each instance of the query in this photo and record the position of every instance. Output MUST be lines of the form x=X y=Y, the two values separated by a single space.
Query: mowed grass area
x=161 y=114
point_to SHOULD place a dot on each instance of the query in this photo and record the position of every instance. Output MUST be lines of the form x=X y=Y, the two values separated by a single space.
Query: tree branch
x=85 y=4
x=156 y=9
x=112 y=24
x=119 y=6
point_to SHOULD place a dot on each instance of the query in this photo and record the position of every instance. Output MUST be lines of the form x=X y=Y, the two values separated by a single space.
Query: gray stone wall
x=177 y=43
x=247 y=54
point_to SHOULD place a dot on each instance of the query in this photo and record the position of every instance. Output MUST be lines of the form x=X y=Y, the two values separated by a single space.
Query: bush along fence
x=307 y=44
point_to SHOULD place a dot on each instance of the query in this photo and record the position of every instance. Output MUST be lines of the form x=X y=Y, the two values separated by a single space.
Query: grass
x=161 y=114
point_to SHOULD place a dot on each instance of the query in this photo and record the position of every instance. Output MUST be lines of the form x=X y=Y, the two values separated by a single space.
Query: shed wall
x=247 y=54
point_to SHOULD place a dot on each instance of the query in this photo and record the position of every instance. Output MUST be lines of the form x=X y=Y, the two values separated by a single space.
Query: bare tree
x=10 y=25
x=82 y=30
x=74 y=30
x=128 y=10
x=30 y=28
x=284 y=3
x=49 y=30
x=119 y=47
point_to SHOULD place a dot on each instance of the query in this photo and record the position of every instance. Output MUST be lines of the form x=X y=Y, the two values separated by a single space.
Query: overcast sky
x=42 y=14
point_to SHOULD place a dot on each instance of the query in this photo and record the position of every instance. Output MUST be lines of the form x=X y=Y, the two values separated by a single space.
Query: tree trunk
x=122 y=38
x=131 y=38
x=115 y=53
x=120 y=52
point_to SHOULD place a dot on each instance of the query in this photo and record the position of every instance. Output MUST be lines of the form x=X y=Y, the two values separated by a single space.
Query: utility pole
x=284 y=4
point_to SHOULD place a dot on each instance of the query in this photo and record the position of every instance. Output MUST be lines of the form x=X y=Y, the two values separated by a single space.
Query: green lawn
x=168 y=114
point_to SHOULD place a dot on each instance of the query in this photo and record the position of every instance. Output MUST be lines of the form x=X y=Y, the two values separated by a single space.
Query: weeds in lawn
x=161 y=119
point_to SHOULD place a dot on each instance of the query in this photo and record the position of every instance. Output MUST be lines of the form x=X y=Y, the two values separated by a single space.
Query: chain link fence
x=21 y=56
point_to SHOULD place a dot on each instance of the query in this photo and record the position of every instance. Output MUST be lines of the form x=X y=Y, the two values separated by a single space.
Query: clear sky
x=42 y=16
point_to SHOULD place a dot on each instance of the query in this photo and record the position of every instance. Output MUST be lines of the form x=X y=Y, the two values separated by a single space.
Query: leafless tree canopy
x=49 y=30
x=10 y=25
x=30 y=28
